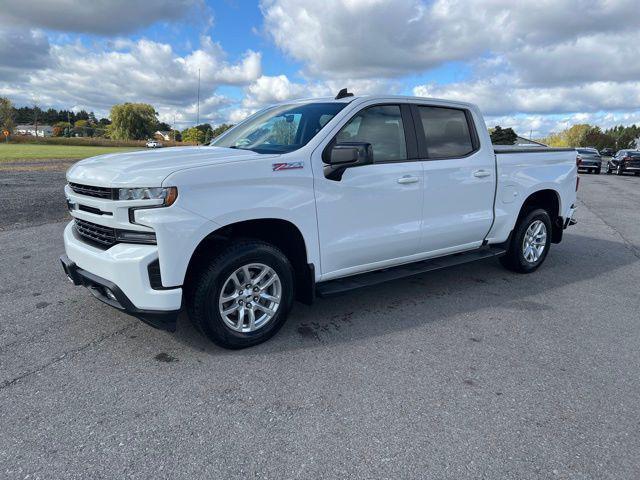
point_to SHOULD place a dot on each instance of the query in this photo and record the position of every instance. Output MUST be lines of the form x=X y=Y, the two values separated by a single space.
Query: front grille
x=91 y=191
x=99 y=234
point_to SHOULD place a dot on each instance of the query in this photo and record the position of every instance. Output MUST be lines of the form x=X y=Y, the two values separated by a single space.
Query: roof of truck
x=376 y=97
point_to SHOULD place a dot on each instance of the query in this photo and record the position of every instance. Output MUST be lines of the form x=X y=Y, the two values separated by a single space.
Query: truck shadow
x=437 y=297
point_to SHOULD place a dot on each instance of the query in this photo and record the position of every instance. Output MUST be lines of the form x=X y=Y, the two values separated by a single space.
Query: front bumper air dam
x=109 y=293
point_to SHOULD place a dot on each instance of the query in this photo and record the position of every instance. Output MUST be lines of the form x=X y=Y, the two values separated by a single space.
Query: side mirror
x=346 y=155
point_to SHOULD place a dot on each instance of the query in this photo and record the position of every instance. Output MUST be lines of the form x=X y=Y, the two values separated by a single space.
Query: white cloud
x=74 y=76
x=99 y=17
x=363 y=38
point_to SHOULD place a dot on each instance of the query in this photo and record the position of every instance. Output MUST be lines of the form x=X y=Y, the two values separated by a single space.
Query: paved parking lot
x=472 y=372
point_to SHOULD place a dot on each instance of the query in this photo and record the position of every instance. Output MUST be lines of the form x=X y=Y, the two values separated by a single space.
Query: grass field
x=17 y=152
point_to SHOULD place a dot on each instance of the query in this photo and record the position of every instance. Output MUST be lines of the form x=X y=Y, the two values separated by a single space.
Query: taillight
x=626 y=159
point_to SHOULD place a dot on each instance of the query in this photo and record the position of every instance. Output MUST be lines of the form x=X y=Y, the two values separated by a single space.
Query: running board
x=341 y=285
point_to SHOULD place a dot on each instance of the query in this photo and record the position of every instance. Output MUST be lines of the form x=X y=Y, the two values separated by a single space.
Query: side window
x=446 y=131
x=382 y=127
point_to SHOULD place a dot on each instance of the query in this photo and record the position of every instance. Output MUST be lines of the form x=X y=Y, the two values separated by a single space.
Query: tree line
x=585 y=135
x=128 y=121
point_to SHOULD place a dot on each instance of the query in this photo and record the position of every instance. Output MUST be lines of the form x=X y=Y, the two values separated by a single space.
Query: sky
x=537 y=66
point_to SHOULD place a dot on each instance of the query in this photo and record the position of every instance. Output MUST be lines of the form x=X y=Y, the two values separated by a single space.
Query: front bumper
x=109 y=293
x=123 y=271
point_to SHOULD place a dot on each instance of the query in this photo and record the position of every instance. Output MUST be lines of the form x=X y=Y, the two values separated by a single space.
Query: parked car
x=308 y=198
x=589 y=159
x=154 y=144
x=607 y=152
x=625 y=161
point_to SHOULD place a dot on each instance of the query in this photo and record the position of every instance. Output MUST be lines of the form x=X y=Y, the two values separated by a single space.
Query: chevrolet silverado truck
x=308 y=198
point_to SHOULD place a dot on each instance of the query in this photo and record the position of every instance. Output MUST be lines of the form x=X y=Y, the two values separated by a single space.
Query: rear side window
x=446 y=131
x=382 y=127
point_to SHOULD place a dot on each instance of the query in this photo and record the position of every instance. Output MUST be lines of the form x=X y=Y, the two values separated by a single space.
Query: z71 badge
x=287 y=166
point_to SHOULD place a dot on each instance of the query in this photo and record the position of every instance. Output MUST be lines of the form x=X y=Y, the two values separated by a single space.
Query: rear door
x=459 y=179
x=373 y=214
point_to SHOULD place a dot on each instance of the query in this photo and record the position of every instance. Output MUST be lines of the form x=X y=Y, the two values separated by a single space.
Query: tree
x=6 y=115
x=163 y=127
x=193 y=135
x=219 y=130
x=575 y=136
x=500 y=136
x=61 y=128
x=598 y=139
x=176 y=136
x=132 y=121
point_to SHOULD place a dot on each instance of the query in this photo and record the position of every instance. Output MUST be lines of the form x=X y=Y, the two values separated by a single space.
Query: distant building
x=526 y=142
x=162 y=135
x=43 y=130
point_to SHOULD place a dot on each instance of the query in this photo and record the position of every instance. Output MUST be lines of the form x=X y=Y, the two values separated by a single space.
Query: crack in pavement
x=635 y=251
x=68 y=354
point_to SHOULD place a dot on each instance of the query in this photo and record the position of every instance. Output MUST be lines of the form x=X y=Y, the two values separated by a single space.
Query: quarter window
x=446 y=131
x=382 y=127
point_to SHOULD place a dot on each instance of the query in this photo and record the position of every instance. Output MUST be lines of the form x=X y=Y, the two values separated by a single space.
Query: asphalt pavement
x=471 y=372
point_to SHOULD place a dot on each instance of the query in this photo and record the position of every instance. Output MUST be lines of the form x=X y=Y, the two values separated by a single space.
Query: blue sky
x=534 y=65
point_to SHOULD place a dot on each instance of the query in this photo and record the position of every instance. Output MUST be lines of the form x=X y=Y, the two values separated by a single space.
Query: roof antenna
x=343 y=94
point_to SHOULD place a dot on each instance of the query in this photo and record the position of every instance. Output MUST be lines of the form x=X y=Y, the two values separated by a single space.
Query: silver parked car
x=589 y=160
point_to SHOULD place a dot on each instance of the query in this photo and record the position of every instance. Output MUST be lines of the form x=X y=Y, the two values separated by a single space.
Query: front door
x=373 y=214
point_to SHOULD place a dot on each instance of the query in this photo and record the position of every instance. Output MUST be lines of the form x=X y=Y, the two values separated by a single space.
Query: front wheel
x=243 y=297
x=598 y=170
x=530 y=242
x=609 y=170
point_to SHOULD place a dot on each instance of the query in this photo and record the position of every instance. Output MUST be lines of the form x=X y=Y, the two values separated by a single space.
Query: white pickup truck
x=308 y=198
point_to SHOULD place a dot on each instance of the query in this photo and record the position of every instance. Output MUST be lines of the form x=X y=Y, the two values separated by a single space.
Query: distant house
x=526 y=142
x=162 y=135
x=42 y=131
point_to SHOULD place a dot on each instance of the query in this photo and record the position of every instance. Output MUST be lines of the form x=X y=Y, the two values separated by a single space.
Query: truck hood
x=148 y=168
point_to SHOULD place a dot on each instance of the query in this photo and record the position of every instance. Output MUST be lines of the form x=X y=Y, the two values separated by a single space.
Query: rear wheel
x=609 y=169
x=529 y=243
x=598 y=170
x=243 y=297
x=619 y=170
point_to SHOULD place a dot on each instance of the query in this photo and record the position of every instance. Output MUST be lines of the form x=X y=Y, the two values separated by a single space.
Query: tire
x=205 y=299
x=609 y=171
x=619 y=169
x=515 y=259
x=598 y=170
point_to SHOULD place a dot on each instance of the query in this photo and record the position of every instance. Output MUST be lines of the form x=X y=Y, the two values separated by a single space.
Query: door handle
x=481 y=173
x=408 y=179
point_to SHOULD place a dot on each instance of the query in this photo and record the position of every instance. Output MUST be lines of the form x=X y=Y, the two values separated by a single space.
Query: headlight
x=168 y=194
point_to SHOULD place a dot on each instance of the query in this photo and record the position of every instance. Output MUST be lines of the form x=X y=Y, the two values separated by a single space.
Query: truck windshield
x=280 y=129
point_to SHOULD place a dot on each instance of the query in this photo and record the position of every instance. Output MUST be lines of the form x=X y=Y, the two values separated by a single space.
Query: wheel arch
x=550 y=200
x=281 y=233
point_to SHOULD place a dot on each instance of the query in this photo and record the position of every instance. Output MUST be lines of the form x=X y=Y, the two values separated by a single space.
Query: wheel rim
x=535 y=241
x=250 y=297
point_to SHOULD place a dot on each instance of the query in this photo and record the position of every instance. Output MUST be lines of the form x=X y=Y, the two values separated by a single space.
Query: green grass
x=17 y=152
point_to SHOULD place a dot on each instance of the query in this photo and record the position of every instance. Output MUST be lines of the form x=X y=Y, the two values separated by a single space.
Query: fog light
x=131 y=236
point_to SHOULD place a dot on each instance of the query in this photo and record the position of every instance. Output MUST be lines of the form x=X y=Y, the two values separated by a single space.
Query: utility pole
x=173 y=127
x=198 y=103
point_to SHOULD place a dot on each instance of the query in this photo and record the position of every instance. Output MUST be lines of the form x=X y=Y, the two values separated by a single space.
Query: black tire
x=598 y=170
x=619 y=169
x=514 y=259
x=609 y=171
x=207 y=285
